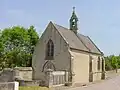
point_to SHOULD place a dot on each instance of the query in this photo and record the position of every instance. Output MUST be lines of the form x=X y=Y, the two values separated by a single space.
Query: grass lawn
x=33 y=88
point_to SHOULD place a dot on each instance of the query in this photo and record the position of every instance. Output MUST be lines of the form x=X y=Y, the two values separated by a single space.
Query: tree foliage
x=112 y=62
x=17 y=46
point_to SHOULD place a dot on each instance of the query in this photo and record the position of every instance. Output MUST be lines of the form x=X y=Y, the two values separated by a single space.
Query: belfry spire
x=73 y=22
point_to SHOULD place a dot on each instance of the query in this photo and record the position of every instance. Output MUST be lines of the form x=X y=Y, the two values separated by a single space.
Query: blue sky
x=99 y=19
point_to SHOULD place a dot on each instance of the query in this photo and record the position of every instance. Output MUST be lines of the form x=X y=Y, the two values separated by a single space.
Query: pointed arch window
x=50 y=50
x=98 y=63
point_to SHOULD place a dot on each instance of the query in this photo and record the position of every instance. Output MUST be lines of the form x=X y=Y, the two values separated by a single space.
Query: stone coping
x=23 y=68
x=18 y=68
x=7 y=82
x=7 y=69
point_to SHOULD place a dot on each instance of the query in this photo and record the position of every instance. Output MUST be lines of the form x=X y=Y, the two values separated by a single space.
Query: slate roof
x=78 y=41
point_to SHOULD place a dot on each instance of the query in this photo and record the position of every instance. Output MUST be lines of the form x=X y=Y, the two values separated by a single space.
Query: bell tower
x=73 y=22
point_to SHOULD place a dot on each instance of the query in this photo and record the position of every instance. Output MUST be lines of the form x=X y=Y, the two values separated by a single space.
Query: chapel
x=64 y=49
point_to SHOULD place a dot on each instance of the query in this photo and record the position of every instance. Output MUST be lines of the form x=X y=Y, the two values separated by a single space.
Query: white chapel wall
x=80 y=67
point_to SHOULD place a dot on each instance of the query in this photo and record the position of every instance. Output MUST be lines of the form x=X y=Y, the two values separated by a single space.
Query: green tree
x=112 y=62
x=17 y=46
x=33 y=40
x=108 y=63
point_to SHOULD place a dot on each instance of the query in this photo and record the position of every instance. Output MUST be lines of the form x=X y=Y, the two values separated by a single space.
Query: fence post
x=49 y=78
x=66 y=77
x=16 y=85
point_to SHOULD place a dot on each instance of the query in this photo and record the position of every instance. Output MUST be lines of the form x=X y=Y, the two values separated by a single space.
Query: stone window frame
x=98 y=63
x=49 y=50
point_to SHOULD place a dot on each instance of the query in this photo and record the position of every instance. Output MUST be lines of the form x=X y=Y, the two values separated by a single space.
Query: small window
x=49 y=50
x=98 y=65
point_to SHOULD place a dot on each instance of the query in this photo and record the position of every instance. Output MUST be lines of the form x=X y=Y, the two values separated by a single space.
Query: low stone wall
x=112 y=73
x=25 y=73
x=7 y=75
x=9 y=86
x=19 y=73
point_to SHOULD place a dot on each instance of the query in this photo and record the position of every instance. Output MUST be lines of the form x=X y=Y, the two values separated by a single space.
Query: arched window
x=98 y=65
x=50 y=50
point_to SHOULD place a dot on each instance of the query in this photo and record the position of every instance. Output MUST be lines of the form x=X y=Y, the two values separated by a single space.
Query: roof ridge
x=59 y=32
x=83 y=42
x=82 y=34
x=61 y=26
x=81 y=37
x=94 y=44
x=65 y=28
x=78 y=38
